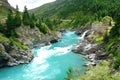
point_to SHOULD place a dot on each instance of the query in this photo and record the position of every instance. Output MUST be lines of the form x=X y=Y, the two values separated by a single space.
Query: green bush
x=18 y=44
x=99 y=72
x=3 y=38
x=69 y=74
x=117 y=60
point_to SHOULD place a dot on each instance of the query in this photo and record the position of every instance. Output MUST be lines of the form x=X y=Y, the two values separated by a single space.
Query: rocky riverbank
x=91 y=51
x=10 y=55
x=88 y=46
x=32 y=37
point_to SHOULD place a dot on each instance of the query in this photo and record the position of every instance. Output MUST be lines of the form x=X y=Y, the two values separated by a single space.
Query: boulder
x=90 y=64
x=54 y=41
x=10 y=55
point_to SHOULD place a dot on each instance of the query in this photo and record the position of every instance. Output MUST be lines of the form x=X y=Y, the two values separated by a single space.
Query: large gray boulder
x=10 y=55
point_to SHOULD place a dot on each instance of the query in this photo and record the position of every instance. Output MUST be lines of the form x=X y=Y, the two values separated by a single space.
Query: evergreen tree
x=26 y=17
x=9 y=21
x=42 y=27
x=17 y=20
x=1 y=28
x=49 y=23
x=33 y=21
x=10 y=24
x=106 y=37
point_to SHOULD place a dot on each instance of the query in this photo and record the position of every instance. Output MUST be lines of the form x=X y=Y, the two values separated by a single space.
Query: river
x=50 y=62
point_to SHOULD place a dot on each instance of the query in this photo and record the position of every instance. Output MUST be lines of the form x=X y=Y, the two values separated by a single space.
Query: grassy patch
x=99 y=72
x=3 y=38
x=97 y=38
x=18 y=44
x=109 y=45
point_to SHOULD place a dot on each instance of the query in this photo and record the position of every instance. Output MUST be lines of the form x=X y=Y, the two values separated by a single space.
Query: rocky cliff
x=32 y=37
x=11 y=55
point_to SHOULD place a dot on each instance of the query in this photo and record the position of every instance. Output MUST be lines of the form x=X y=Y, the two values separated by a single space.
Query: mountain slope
x=57 y=8
x=64 y=8
x=4 y=7
x=79 y=11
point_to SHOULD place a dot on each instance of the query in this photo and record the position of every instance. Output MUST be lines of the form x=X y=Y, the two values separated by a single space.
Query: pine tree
x=26 y=17
x=33 y=21
x=17 y=20
x=10 y=24
x=9 y=21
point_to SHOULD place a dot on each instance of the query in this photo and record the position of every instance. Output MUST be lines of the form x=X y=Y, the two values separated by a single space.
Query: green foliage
x=17 y=19
x=3 y=38
x=98 y=39
x=49 y=23
x=69 y=74
x=108 y=19
x=3 y=13
x=99 y=72
x=26 y=17
x=1 y=28
x=10 y=24
x=109 y=46
x=43 y=27
x=33 y=21
x=10 y=20
x=18 y=44
x=113 y=47
x=106 y=37
x=117 y=60
x=116 y=76
x=81 y=11
x=115 y=31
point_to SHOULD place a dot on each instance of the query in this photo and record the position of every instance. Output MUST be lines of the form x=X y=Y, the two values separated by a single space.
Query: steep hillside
x=4 y=7
x=79 y=11
x=66 y=8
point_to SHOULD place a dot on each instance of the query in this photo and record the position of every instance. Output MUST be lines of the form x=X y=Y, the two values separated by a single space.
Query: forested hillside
x=79 y=11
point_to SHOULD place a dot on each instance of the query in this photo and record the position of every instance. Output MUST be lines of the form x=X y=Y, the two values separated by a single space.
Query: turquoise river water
x=50 y=62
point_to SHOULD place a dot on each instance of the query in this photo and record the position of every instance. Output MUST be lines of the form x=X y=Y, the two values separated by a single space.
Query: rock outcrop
x=93 y=52
x=32 y=37
x=10 y=55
